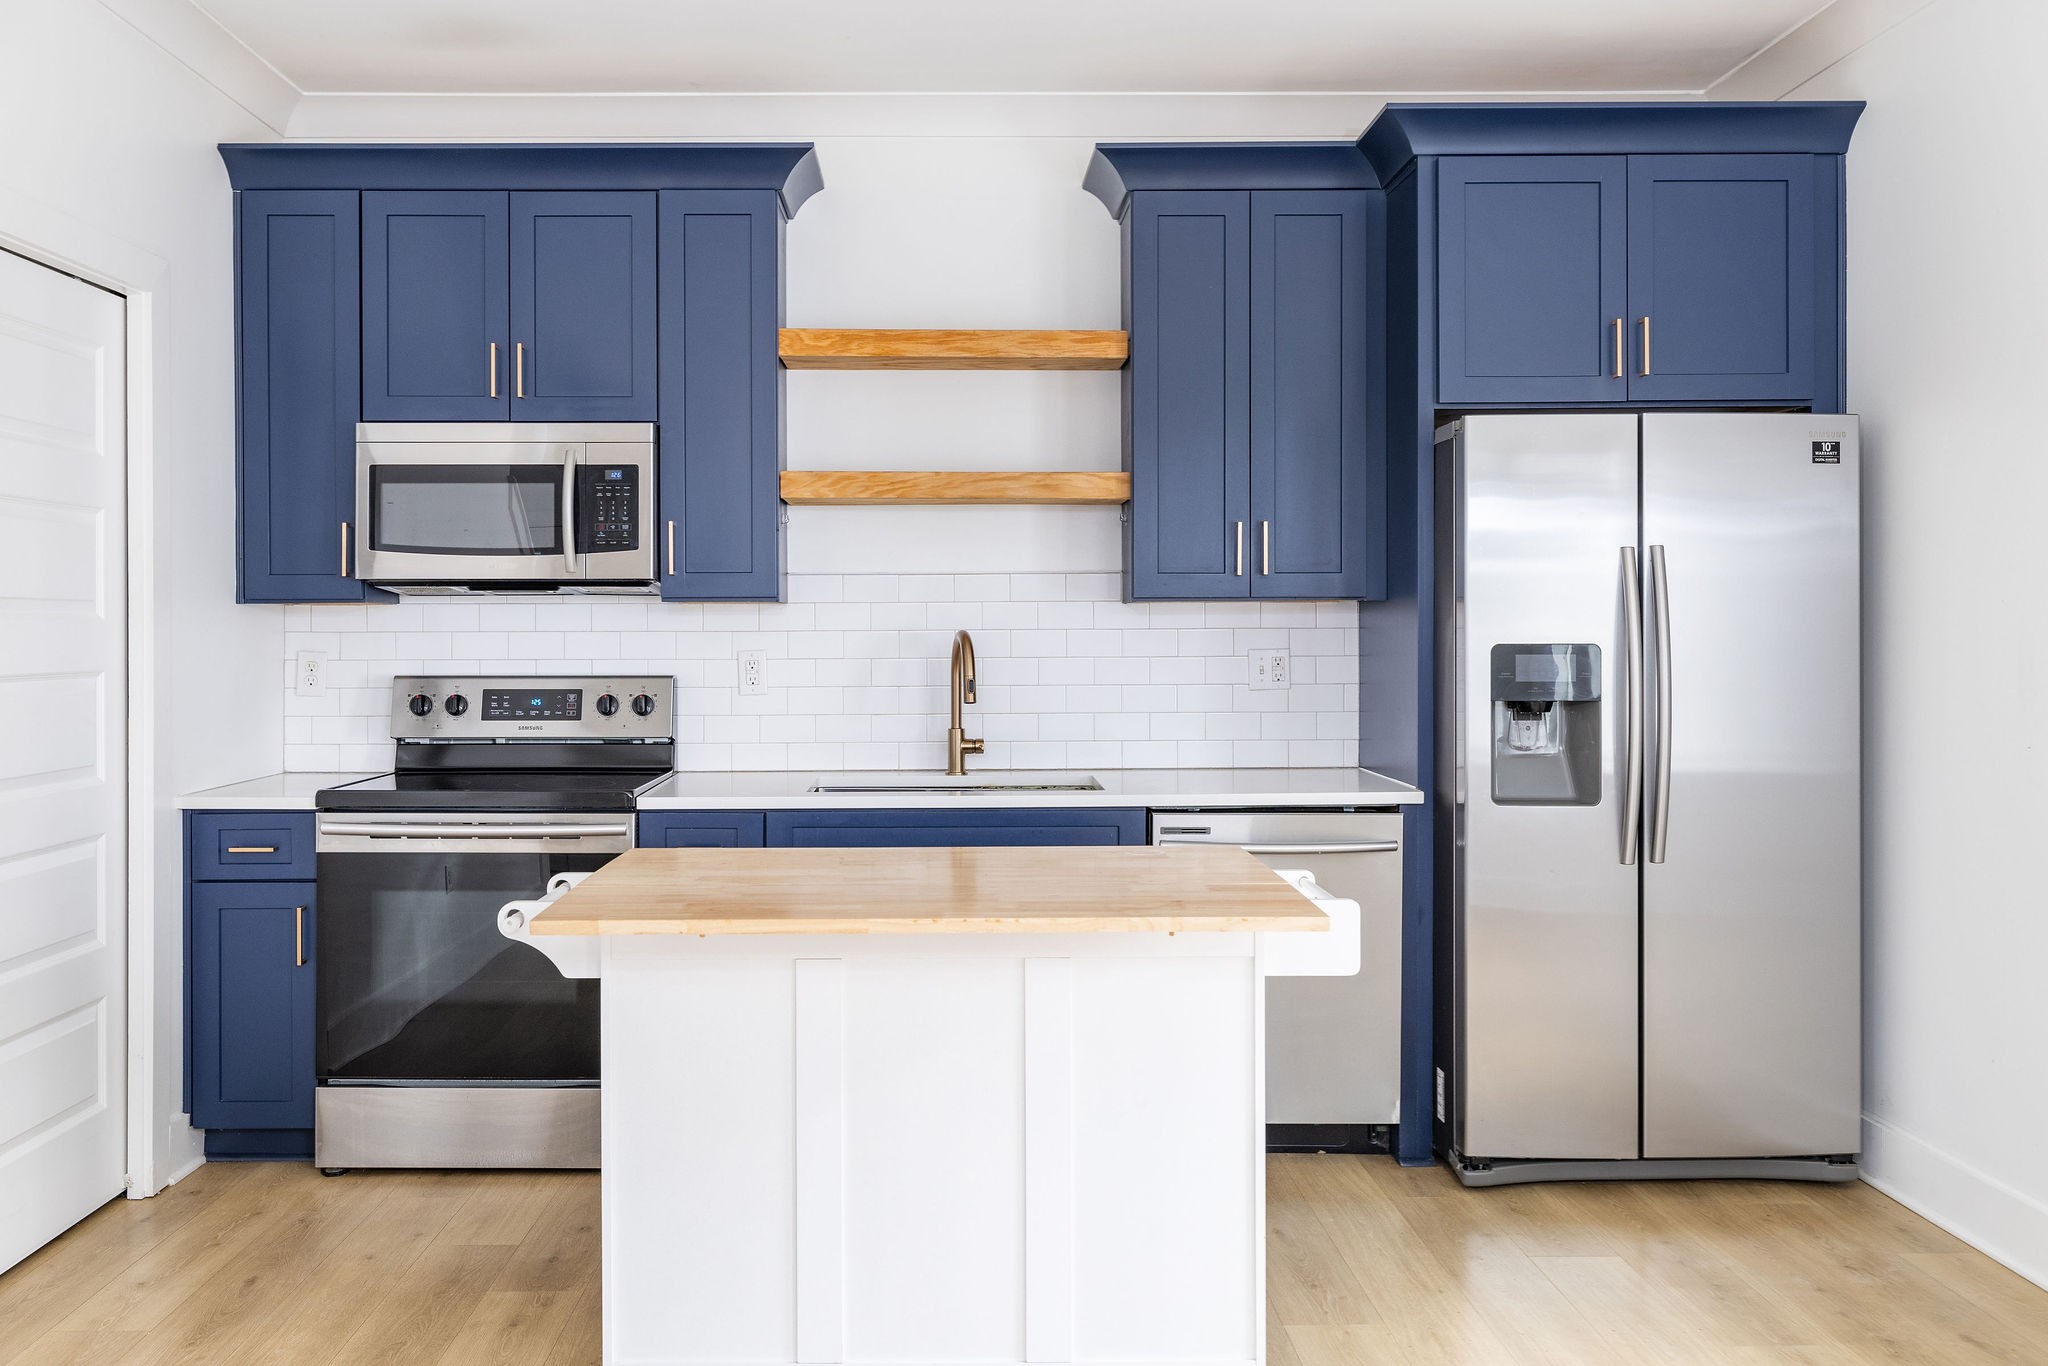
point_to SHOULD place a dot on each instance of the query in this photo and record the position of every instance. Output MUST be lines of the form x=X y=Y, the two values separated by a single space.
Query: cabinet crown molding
x=1403 y=132
x=788 y=168
x=1119 y=168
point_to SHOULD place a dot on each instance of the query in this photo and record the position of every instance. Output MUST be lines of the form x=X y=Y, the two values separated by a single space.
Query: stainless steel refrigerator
x=1650 y=730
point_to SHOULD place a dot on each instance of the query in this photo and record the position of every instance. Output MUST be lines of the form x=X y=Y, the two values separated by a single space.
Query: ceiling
x=662 y=46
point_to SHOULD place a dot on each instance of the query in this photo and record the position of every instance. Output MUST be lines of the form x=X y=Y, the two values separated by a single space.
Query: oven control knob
x=421 y=704
x=643 y=705
x=456 y=704
x=607 y=705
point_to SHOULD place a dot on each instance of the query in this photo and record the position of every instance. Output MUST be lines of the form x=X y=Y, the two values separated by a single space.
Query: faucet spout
x=958 y=746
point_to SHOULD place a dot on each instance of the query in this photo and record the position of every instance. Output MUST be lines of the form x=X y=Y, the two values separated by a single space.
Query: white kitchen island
x=934 y=1105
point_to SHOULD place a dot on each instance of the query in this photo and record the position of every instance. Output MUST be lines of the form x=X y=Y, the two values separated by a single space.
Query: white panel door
x=63 y=702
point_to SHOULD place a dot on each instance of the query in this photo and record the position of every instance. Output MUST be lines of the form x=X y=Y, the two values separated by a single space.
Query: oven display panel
x=539 y=704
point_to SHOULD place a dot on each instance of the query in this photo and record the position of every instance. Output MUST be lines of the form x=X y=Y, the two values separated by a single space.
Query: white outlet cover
x=310 y=674
x=1270 y=669
x=753 y=672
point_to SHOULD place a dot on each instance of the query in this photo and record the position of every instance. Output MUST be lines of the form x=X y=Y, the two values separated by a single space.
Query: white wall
x=1947 y=345
x=110 y=171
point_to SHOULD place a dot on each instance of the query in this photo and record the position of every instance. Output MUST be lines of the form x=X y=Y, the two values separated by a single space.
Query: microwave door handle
x=569 y=511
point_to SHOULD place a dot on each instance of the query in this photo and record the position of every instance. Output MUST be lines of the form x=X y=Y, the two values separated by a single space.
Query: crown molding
x=196 y=40
x=1809 y=48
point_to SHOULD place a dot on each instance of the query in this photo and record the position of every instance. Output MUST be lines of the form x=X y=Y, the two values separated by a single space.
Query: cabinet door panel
x=1313 y=451
x=582 y=306
x=702 y=829
x=252 y=1005
x=721 y=396
x=1531 y=266
x=298 y=357
x=1189 y=320
x=435 y=283
x=1721 y=261
x=925 y=829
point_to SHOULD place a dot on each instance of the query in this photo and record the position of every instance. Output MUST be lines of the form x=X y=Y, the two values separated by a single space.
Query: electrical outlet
x=1270 y=669
x=753 y=672
x=311 y=677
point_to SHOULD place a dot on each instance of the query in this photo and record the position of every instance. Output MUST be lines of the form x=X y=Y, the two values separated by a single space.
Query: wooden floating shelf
x=853 y=488
x=905 y=348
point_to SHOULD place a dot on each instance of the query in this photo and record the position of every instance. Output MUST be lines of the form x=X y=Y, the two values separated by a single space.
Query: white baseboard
x=1977 y=1207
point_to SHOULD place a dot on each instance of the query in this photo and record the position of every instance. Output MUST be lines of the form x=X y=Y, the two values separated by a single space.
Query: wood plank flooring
x=1368 y=1263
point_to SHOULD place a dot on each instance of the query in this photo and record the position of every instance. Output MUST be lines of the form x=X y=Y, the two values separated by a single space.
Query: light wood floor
x=1369 y=1263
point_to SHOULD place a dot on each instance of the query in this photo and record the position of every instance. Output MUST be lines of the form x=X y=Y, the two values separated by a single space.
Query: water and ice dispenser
x=1546 y=725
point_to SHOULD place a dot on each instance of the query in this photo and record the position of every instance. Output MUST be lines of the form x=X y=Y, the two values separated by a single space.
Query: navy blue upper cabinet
x=1531 y=279
x=720 y=396
x=436 y=285
x=251 y=984
x=583 y=306
x=1188 y=310
x=1314 y=375
x=297 y=351
x=1721 y=265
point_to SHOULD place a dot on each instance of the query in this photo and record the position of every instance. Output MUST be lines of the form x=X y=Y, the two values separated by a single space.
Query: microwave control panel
x=607 y=507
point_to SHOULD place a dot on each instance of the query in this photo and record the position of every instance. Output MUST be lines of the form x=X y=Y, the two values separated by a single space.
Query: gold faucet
x=958 y=746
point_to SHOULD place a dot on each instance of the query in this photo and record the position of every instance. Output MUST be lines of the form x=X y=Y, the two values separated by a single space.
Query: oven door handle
x=433 y=831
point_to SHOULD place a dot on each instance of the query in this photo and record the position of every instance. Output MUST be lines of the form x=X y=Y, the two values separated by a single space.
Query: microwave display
x=466 y=509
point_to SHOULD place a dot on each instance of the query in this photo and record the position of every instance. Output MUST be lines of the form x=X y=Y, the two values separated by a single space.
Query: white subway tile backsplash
x=1070 y=676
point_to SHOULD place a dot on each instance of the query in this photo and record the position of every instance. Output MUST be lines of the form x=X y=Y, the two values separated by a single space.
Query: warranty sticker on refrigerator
x=1827 y=452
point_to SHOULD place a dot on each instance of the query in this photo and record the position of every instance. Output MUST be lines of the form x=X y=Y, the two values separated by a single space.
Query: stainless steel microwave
x=510 y=506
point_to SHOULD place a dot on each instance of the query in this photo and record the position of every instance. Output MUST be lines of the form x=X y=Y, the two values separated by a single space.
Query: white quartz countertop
x=274 y=792
x=1154 y=787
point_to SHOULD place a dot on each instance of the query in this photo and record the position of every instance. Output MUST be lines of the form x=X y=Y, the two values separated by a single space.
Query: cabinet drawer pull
x=671 y=547
x=1646 y=344
x=1240 y=550
x=344 y=550
x=299 y=936
x=252 y=848
x=494 y=369
x=1266 y=548
x=1618 y=361
x=519 y=369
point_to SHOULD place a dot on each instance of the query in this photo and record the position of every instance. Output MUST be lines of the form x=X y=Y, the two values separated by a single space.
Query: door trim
x=72 y=246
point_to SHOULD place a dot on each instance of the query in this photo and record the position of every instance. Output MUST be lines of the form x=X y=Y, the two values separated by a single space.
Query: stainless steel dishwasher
x=1333 y=1044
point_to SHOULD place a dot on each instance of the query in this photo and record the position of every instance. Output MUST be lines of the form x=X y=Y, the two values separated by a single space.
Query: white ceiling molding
x=1805 y=51
x=192 y=37
x=1248 y=116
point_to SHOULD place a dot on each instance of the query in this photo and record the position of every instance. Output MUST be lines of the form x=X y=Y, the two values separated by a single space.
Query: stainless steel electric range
x=441 y=1043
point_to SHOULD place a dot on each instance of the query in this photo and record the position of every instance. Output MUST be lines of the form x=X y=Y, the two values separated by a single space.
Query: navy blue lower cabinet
x=1721 y=278
x=926 y=829
x=298 y=356
x=702 y=829
x=720 y=392
x=250 y=980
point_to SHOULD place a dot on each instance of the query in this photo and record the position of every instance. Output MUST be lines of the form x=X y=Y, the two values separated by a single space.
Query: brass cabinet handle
x=1646 y=344
x=1265 y=547
x=519 y=369
x=252 y=848
x=299 y=936
x=671 y=547
x=1618 y=361
x=494 y=369
x=1240 y=550
x=344 y=550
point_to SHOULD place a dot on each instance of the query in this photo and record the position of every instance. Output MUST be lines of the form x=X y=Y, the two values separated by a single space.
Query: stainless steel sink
x=994 y=782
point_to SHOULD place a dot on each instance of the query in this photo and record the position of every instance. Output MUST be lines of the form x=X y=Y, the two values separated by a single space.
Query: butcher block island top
x=1048 y=890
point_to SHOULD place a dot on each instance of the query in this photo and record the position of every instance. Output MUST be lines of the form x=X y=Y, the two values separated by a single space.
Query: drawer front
x=702 y=829
x=235 y=846
x=949 y=829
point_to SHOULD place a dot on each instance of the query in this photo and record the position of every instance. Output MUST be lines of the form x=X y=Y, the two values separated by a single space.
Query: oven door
x=416 y=985
x=455 y=509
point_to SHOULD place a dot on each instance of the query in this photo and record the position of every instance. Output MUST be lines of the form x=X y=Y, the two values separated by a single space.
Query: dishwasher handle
x=1363 y=847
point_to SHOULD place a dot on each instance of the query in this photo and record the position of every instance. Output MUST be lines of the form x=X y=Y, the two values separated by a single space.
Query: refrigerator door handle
x=1660 y=593
x=1632 y=626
